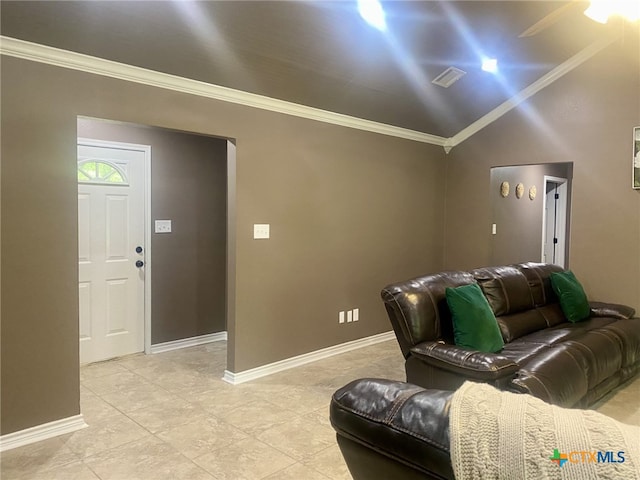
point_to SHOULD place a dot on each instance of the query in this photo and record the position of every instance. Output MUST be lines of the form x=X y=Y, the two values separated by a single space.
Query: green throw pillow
x=474 y=324
x=573 y=300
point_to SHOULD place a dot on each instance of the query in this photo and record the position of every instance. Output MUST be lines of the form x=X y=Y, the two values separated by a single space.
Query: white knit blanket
x=504 y=435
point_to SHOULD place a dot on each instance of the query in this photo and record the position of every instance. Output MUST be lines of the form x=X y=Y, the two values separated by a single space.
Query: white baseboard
x=287 y=363
x=188 y=342
x=41 y=432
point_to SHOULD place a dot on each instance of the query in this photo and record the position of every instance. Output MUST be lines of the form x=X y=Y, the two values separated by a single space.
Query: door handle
x=139 y=263
x=138 y=249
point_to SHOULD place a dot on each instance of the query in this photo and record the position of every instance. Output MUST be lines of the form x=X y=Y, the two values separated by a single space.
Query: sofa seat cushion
x=598 y=352
x=564 y=373
x=563 y=332
x=628 y=333
x=555 y=376
x=586 y=325
x=397 y=419
x=520 y=352
x=548 y=336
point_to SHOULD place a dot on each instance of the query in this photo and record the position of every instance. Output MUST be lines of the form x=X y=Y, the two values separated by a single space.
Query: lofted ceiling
x=321 y=53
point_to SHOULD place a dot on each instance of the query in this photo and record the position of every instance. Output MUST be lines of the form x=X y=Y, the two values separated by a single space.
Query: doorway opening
x=522 y=216
x=554 y=220
x=183 y=260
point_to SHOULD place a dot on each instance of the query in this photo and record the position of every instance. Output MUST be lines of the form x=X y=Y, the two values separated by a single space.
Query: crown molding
x=85 y=63
x=544 y=81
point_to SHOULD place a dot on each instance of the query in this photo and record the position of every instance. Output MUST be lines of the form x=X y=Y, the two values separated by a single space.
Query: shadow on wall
x=527 y=205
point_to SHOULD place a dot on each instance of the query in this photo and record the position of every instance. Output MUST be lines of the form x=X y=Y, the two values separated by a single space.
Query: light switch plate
x=260 y=231
x=162 y=226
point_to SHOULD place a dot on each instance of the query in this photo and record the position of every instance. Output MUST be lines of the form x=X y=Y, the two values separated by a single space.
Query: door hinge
x=555 y=240
x=557 y=196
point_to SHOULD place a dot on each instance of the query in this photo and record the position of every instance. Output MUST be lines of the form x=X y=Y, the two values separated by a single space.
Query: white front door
x=111 y=249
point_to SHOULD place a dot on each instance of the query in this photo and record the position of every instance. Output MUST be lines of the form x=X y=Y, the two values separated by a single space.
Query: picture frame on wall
x=636 y=158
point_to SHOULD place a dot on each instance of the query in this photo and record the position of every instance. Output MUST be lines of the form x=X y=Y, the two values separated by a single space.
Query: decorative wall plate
x=519 y=190
x=504 y=189
x=532 y=192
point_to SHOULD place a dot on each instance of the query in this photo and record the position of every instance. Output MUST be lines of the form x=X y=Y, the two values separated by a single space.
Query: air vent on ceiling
x=450 y=76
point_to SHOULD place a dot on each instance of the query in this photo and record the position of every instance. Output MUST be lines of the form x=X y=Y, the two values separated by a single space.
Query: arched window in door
x=102 y=172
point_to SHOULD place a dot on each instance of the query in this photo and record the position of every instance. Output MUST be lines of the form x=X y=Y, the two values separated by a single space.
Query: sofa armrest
x=403 y=422
x=463 y=361
x=614 y=310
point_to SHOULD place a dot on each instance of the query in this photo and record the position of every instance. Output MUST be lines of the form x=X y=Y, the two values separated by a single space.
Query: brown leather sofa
x=392 y=430
x=567 y=364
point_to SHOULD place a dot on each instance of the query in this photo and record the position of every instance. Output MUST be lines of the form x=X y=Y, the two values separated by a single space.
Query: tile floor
x=170 y=416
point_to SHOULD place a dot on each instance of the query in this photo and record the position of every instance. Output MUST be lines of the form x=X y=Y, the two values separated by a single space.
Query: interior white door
x=561 y=223
x=549 y=254
x=111 y=220
x=555 y=221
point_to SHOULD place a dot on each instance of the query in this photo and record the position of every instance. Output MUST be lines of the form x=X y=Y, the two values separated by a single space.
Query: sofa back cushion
x=520 y=324
x=538 y=276
x=521 y=297
x=418 y=308
x=506 y=288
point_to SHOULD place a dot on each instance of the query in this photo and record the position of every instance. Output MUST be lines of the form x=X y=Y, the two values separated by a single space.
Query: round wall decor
x=519 y=190
x=532 y=192
x=504 y=189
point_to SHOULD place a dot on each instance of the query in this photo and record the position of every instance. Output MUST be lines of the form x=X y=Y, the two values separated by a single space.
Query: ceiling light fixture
x=371 y=11
x=490 y=65
x=602 y=10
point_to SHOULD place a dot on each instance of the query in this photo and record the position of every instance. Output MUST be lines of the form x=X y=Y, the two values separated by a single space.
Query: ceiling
x=321 y=53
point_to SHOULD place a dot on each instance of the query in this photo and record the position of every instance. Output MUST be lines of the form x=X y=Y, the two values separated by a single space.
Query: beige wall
x=518 y=221
x=350 y=211
x=586 y=118
x=188 y=186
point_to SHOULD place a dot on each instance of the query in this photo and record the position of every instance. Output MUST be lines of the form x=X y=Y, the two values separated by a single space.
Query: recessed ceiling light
x=490 y=65
x=373 y=14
